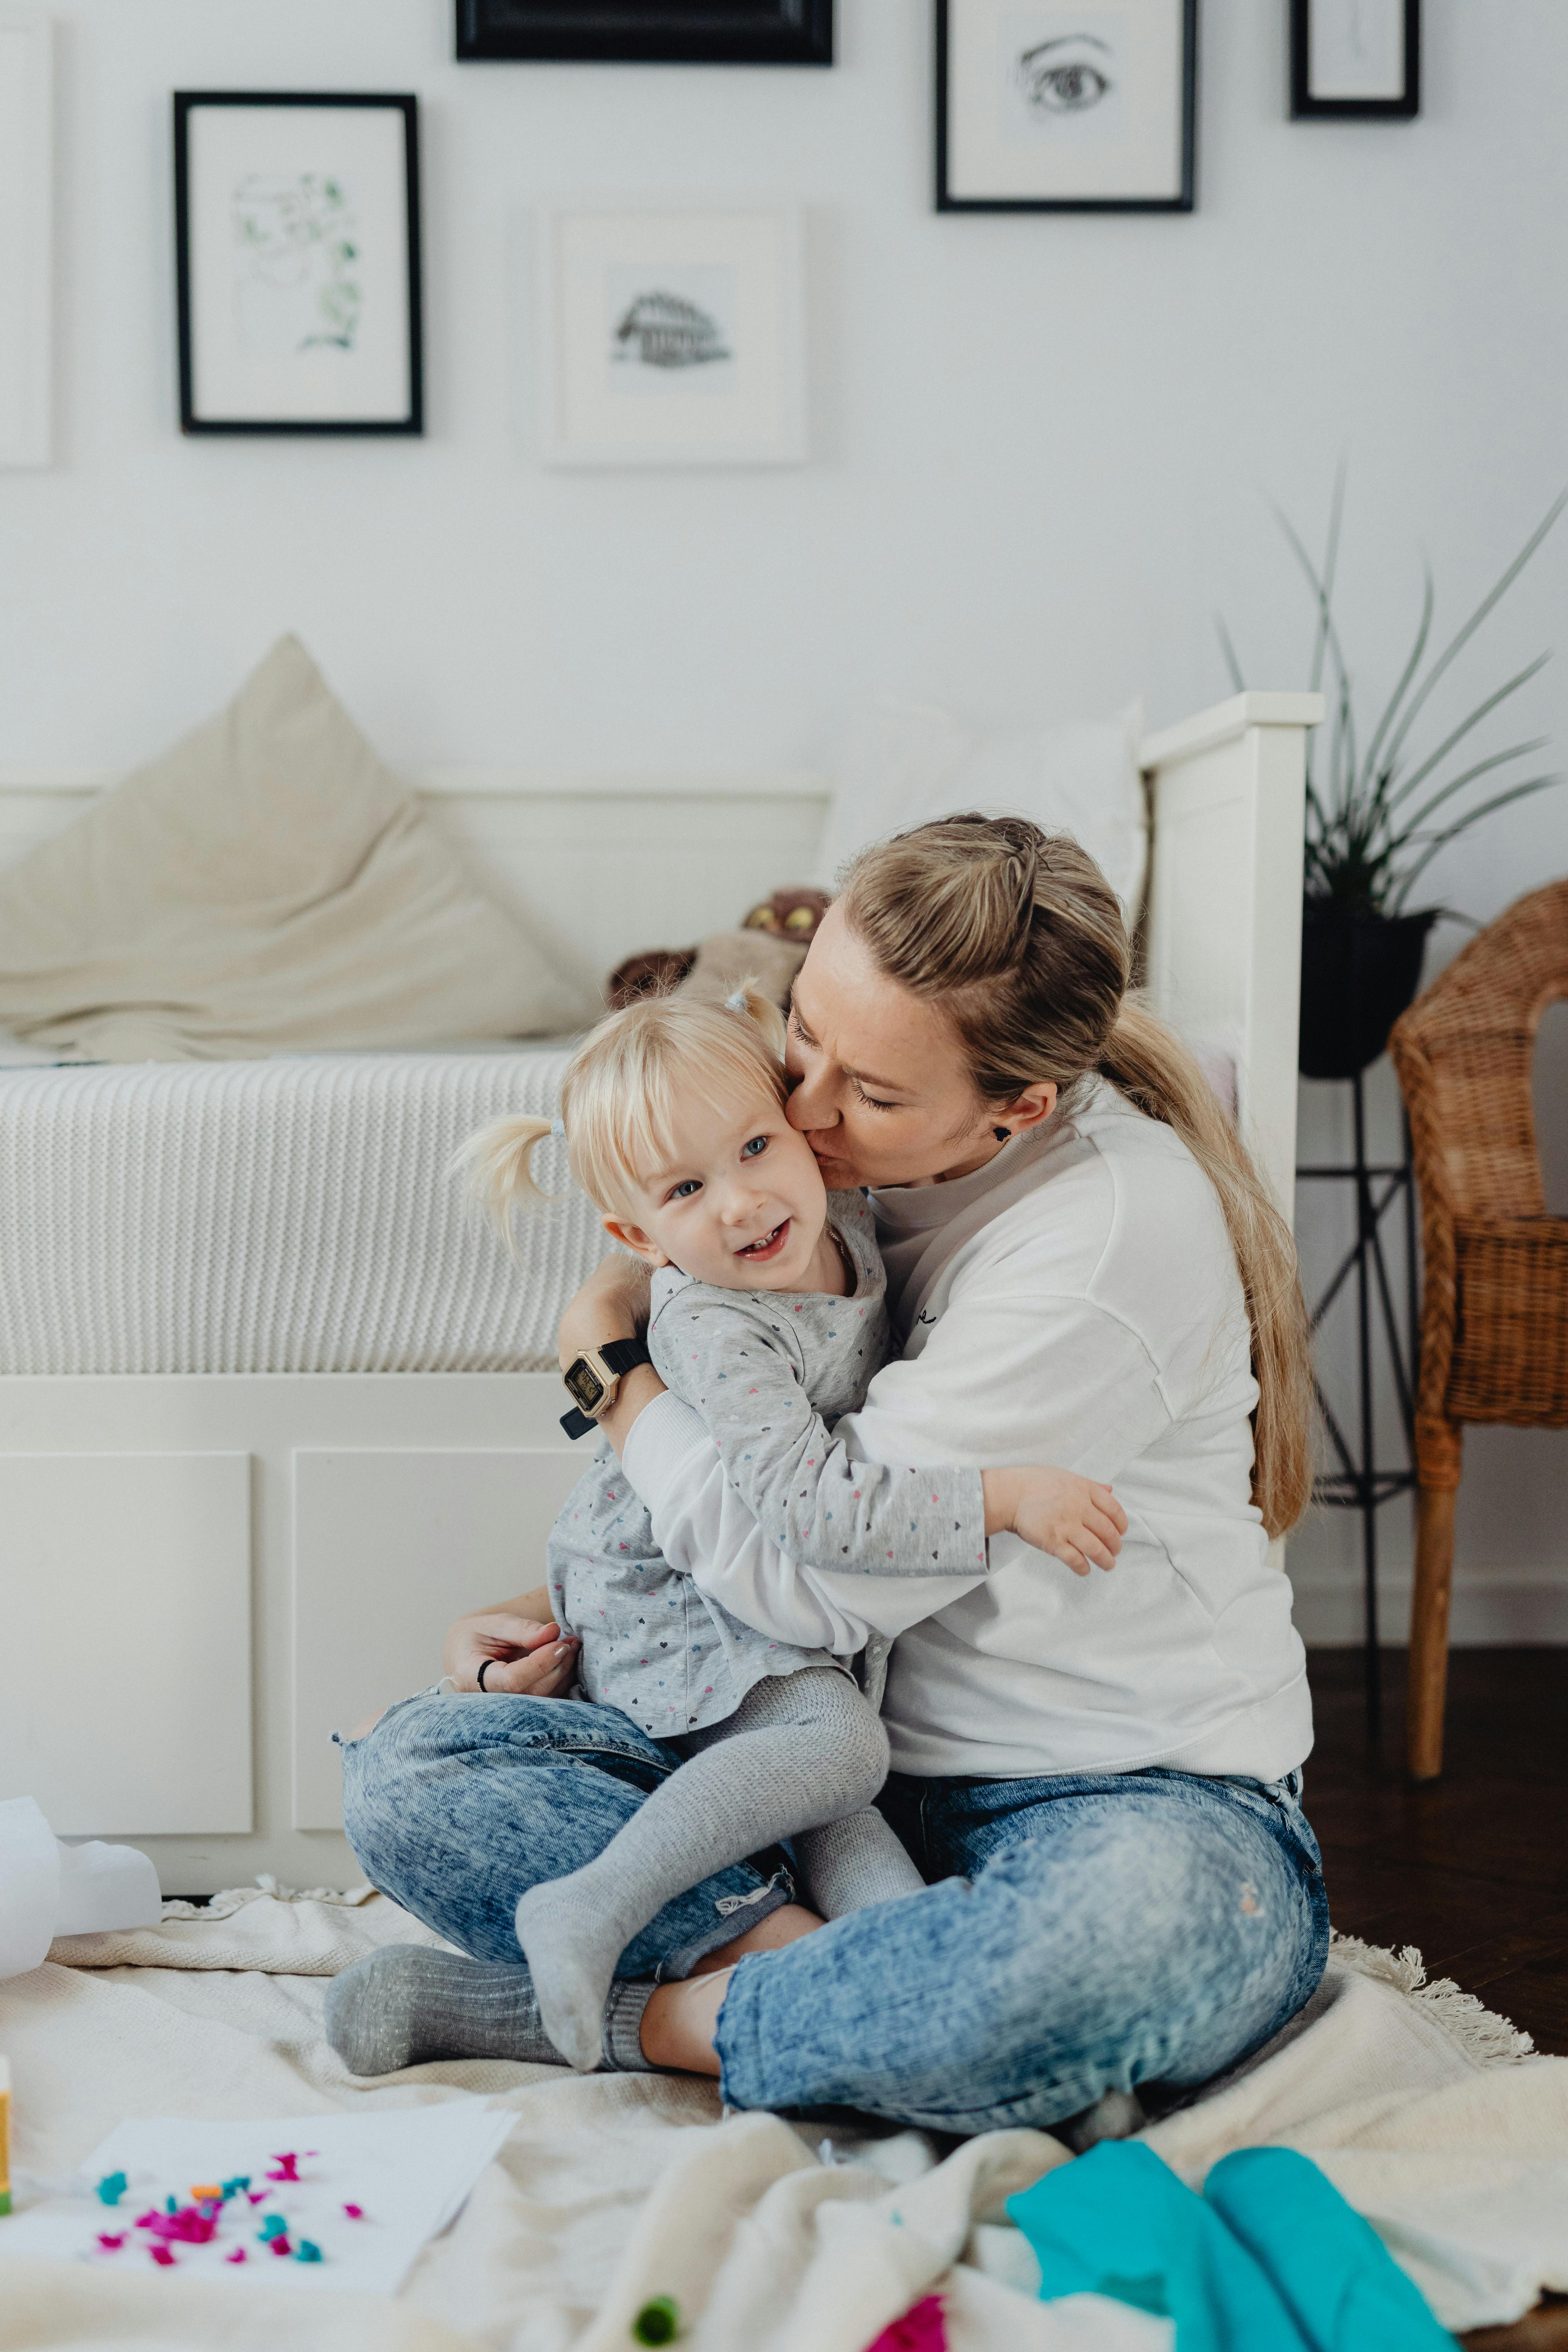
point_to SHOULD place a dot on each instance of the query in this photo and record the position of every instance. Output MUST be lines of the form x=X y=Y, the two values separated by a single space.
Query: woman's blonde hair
x=621 y=1095
x=1021 y=939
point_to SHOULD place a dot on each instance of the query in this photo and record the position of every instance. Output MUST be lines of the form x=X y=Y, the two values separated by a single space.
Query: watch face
x=585 y=1384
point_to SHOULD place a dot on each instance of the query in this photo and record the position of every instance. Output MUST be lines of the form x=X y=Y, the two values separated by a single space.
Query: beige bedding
x=267 y=883
x=615 y=2189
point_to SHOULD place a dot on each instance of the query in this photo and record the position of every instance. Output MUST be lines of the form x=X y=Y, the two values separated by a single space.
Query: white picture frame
x=671 y=331
x=26 y=237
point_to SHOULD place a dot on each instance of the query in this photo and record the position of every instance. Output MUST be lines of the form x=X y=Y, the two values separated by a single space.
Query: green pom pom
x=657 y=2322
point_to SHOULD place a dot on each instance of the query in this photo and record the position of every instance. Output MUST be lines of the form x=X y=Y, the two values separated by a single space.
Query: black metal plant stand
x=1359 y=1483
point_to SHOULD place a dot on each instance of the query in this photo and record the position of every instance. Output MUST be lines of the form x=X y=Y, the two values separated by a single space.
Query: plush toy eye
x=799 y=919
x=760 y=918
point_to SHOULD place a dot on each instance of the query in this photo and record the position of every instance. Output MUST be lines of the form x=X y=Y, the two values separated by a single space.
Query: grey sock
x=855 y=1862
x=799 y=1749
x=407 y=2005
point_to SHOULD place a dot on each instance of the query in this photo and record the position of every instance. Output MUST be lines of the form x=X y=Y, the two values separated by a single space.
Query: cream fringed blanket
x=1422 y=2110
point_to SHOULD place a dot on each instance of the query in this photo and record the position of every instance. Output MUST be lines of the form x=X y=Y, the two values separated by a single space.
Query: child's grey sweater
x=770 y=1372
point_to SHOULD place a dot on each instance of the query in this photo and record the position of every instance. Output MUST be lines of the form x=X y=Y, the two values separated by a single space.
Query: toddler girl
x=768 y=1318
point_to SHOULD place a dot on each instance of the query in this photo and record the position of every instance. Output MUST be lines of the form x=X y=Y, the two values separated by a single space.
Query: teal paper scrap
x=1269 y=2259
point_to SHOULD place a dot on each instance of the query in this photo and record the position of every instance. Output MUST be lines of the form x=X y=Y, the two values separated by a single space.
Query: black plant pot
x=1359 y=973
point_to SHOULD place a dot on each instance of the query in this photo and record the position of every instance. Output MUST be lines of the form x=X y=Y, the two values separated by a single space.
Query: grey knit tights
x=802 y=1753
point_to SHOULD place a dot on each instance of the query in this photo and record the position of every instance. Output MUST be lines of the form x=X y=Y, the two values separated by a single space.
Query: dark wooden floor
x=1472 y=1868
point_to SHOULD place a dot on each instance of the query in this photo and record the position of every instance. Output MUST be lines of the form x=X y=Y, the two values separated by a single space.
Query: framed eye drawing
x=1355 y=59
x=671 y=332
x=649 y=32
x=1042 y=108
x=296 y=237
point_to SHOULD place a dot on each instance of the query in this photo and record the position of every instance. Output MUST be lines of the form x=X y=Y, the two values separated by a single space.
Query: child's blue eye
x=750 y=1150
x=684 y=1190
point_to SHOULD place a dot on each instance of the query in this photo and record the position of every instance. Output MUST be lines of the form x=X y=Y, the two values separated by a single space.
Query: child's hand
x=1073 y=1518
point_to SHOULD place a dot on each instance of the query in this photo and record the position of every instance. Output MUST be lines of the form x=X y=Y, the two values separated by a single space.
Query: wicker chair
x=1494 y=1321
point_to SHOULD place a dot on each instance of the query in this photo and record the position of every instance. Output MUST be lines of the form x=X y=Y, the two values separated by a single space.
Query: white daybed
x=204 y=1571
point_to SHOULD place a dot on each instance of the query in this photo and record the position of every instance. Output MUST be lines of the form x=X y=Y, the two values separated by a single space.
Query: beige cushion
x=267 y=883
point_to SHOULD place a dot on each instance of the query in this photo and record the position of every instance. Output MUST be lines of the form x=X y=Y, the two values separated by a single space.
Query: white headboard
x=604 y=864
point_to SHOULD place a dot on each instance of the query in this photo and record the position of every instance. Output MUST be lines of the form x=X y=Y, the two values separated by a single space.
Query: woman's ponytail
x=1148 y=1063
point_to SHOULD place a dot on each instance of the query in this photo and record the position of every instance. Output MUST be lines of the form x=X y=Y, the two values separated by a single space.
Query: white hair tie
x=558 y=1126
x=736 y=1003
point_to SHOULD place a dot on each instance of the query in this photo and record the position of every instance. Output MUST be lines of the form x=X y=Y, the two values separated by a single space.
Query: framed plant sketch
x=671 y=334
x=1042 y=108
x=26 y=204
x=649 y=32
x=1353 y=58
x=297 y=232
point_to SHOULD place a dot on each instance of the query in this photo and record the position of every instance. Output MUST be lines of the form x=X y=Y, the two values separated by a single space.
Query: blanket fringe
x=1479 y=2031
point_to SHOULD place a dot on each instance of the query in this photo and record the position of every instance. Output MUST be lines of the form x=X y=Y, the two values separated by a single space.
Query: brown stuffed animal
x=654 y=972
x=793 y=915
x=787 y=923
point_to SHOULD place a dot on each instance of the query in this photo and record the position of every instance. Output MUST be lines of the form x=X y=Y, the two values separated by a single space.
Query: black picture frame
x=186 y=102
x=1305 y=107
x=646 y=32
x=1184 y=201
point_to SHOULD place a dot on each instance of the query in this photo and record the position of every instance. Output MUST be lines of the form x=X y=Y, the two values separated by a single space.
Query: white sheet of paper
x=409 y=2170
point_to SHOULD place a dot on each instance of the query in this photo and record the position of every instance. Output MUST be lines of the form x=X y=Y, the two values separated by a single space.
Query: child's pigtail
x=497 y=1161
x=748 y=999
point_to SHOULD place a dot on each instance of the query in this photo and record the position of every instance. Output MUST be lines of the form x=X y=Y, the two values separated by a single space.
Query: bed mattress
x=277 y=1216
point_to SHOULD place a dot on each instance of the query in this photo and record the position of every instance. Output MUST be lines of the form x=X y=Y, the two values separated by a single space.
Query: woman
x=1099 y=1779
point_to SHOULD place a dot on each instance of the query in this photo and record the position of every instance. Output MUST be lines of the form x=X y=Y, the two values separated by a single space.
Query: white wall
x=1043 y=446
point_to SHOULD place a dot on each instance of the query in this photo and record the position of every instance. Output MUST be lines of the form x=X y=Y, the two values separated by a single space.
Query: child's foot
x=408 y=2004
x=571 y=1955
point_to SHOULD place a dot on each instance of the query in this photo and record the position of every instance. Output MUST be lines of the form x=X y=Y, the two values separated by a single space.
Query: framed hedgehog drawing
x=1052 y=108
x=671 y=334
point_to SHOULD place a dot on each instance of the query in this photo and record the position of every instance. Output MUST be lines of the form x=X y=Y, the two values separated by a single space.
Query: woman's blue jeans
x=1081 y=1933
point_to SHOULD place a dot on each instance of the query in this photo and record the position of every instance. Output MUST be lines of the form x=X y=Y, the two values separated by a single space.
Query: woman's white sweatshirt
x=1075 y=1302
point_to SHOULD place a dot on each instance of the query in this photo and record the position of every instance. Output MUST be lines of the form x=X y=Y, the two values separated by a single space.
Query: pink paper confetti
x=238 y=2255
x=161 y=2253
x=922 y=2329
x=281 y=2245
x=111 y=2245
x=189 y=2226
x=290 y=2167
x=354 y=2213
x=258 y=2196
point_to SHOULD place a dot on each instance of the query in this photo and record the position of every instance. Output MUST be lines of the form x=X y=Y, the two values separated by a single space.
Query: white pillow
x=267 y=883
x=903 y=762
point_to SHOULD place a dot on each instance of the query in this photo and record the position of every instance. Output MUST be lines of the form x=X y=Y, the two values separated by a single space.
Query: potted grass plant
x=1378 y=815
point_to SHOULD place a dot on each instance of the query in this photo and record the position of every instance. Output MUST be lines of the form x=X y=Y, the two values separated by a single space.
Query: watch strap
x=617 y=1356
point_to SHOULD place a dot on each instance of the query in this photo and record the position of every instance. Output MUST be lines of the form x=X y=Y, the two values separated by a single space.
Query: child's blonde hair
x=621 y=1097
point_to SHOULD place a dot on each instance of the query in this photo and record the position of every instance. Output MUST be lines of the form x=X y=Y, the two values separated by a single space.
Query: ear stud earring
x=1003 y=1134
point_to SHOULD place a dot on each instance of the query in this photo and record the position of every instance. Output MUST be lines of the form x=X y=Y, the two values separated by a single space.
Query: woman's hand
x=612 y=1304
x=532 y=1658
x=1076 y=1520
